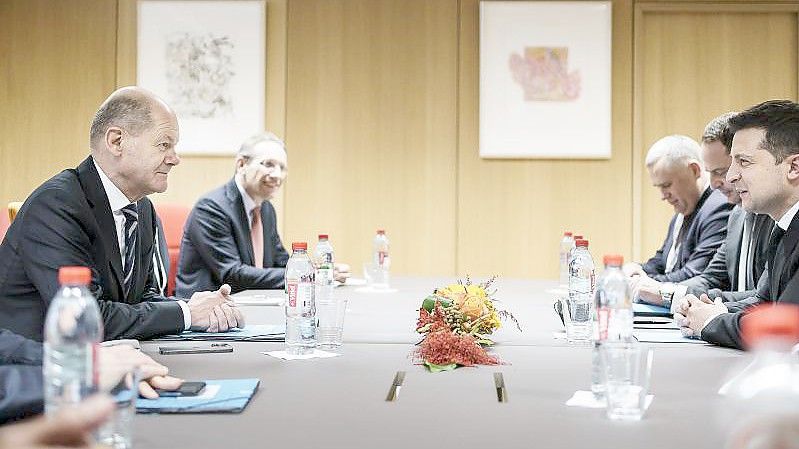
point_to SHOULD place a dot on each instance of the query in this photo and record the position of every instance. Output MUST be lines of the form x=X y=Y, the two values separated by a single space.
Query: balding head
x=133 y=139
x=129 y=108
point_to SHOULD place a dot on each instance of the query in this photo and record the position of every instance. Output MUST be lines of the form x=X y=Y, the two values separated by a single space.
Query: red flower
x=445 y=347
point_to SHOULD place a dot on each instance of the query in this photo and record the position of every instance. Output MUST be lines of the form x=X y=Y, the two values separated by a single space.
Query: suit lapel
x=241 y=222
x=785 y=260
x=98 y=200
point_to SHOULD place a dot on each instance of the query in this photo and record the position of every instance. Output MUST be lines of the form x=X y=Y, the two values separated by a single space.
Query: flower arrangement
x=456 y=321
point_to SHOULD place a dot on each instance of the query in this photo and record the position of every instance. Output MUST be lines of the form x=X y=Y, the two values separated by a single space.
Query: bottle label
x=291 y=290
x=602 y=315
x=324 y=276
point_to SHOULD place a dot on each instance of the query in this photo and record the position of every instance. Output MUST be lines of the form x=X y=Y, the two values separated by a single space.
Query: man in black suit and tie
x=699 y=224
x=740 y=260
x=765 y=172
x=231 y=235
x=98 y=216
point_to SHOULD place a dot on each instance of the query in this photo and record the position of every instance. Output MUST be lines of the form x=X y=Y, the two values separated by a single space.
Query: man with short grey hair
x=699 y=224
x=740 y=260
x=231 y=234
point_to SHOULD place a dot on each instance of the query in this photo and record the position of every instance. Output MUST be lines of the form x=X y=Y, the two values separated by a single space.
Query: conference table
x=340 y=402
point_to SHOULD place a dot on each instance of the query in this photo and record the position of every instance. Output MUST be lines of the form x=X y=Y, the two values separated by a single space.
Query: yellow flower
x=476 y=291
x=473 y=307
x=455 y=292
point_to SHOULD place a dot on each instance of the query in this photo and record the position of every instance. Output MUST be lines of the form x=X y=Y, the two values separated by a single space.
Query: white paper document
x=664 y=336
x=586 y=399
x=316 y=354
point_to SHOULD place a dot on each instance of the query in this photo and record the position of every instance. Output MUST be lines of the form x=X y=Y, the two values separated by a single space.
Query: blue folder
x=640 y=309
x=250 y=332
x=229 y=396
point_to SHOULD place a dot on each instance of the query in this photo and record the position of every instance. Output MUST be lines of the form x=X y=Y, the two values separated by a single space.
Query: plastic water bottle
x=381 y=260
x=761 y=407
x=324 y=260
x=613 y=314
x=73 y=331
x=581 y=293
x=300 y=304
x=566 y=246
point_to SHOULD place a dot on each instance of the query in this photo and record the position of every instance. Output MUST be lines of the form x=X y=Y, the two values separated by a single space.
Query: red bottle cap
x=578 y=237
x=567 y=234
x=768 y=321
x=322 y=236
x=581 y=242
x=381 y=231
x=74 y=276
x=299 y=245
x=613 y=260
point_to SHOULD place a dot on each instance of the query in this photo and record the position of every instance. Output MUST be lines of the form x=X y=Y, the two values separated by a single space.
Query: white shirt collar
x=786 y=219
x=116 y=198
x=249 y=203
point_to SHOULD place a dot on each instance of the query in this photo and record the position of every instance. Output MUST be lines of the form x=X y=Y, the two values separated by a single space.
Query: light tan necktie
x=257 y=236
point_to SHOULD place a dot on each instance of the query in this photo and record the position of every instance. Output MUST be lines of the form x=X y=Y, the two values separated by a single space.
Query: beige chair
x=13 y=208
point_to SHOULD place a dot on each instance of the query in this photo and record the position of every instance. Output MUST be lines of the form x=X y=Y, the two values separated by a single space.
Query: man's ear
x=113 y=140
x=240 y=162
x=793 y=167
x=695 y=169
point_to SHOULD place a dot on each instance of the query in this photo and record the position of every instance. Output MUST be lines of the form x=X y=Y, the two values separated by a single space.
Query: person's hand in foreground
x=70 y=427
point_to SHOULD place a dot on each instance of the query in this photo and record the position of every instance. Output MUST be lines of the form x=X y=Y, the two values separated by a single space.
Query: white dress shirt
x=117 y=200
x=786 y=219
x=249 y=203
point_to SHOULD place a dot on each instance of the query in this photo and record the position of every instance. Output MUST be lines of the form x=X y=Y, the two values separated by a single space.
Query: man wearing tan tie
x=231 y=235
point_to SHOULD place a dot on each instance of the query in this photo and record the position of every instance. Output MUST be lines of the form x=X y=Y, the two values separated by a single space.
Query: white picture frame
x=545 y=79
x=206 y=59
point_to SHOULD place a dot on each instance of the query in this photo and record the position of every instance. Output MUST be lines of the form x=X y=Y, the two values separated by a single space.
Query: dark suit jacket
x=781 y=285
x=217 y=248
x=704 y=235
x=21 y=380
x=721 y=274
x=68 y=221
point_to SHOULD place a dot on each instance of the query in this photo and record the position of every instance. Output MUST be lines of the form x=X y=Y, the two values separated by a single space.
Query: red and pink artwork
x=543 y=74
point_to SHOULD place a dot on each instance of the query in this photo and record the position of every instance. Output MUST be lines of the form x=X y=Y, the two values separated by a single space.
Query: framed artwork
x=545 y=79
x=206 y=59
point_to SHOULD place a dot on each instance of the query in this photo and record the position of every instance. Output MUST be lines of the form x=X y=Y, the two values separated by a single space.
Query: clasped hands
x=214 y=311
x=692 y=313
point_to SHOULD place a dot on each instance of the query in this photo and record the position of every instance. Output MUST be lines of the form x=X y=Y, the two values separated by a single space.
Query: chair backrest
x=13 y=208
x=173 y=219
x=5 y=222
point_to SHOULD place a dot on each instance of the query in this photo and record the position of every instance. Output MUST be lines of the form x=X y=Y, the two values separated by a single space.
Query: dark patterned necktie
x=131 y=220
x=771 y=250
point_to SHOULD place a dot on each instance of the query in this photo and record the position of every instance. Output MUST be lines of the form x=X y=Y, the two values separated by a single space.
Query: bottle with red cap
x=380 y=260
x=613 y=314
x=324 y=259
x=566 y=246
x=761 y=406
x=73 y=330
x=300 y=301
x=581 y=294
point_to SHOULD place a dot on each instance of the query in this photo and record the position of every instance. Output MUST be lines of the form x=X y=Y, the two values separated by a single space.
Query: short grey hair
x=129 y=111
x=674 y=148
x=247 y=150
x=716 y=129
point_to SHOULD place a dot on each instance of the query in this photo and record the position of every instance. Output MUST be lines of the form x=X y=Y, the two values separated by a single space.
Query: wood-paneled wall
x=378 y=103
x=57 y=63
x=372 y=117
x=694 y=62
